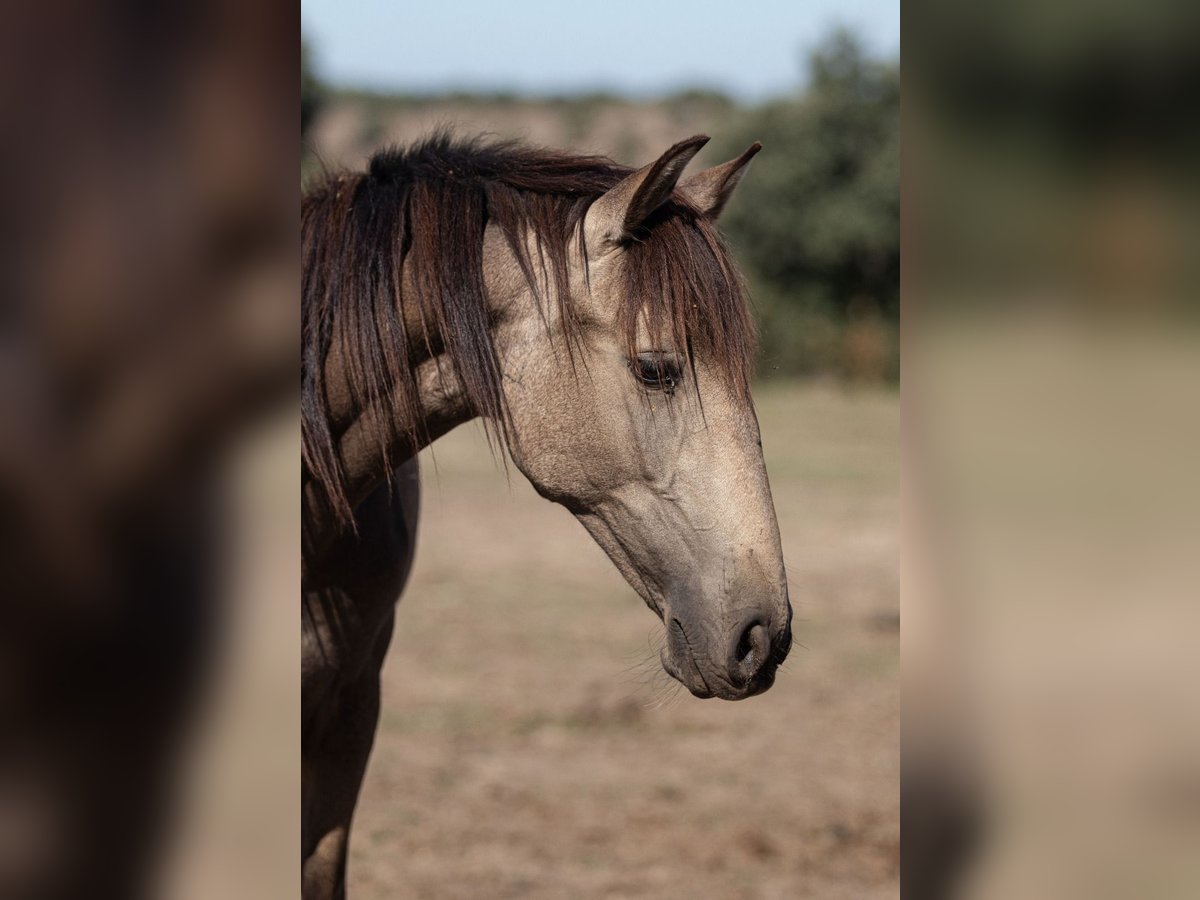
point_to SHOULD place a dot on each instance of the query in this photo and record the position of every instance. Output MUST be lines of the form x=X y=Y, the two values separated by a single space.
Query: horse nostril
x=752 y=649
x=745 y=645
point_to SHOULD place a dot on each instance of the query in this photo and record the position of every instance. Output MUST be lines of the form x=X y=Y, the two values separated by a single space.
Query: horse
x=593 y=317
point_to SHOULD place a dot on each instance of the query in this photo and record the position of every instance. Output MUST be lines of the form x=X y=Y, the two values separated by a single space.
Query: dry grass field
x=530 y=746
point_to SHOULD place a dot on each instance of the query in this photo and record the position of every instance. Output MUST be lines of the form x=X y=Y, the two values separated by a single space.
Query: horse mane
x=410 y=230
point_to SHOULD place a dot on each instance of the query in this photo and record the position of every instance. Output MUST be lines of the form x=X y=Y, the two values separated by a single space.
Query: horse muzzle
x=739 y=665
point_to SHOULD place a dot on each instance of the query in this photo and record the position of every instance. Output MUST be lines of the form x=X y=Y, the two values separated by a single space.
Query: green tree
x=817 y=223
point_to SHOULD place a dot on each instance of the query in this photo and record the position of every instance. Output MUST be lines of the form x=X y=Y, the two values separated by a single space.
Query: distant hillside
x=351 y=125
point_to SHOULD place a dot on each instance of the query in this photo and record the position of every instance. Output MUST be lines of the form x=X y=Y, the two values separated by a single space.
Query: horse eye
x=656 y=371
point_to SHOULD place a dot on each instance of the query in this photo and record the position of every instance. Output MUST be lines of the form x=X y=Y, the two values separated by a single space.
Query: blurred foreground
x=147 y=319
x=1050 y=593
x=1052 y=515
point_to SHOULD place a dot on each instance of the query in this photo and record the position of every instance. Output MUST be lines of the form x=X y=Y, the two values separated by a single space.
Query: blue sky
x=751 y=49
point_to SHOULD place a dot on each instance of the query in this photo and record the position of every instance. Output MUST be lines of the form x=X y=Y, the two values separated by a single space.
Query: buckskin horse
x=592 y=316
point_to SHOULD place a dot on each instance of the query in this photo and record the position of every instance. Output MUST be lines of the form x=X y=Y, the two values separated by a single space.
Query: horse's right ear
x=616 y=214
x=712 y=188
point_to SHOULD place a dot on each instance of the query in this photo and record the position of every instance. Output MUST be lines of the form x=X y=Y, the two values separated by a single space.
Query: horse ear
x=618 y=212
x=711 y=189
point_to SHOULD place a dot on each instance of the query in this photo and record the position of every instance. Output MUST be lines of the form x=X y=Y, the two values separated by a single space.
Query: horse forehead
x=500 y=263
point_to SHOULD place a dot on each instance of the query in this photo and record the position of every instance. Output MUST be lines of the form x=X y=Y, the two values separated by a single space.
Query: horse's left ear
x=711 y=189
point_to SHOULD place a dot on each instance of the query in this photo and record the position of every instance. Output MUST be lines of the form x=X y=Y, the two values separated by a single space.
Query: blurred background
x=530 y=745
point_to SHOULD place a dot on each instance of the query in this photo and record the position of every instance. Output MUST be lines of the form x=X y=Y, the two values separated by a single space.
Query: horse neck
x=442 y=401
x=371 y=450
x=367 y=459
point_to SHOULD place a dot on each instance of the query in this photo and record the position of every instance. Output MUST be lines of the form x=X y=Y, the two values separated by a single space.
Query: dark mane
x=424 y=210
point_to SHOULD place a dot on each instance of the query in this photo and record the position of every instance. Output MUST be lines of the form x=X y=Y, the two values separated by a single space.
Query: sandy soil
x=531 y=747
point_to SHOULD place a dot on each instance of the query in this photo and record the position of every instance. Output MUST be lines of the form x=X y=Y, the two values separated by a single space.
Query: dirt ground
x=531 y=747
